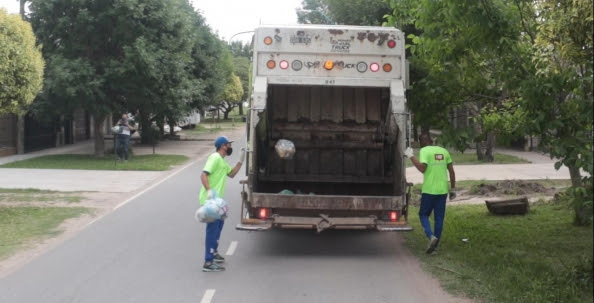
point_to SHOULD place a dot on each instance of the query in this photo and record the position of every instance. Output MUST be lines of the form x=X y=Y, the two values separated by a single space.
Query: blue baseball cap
x=220 y=141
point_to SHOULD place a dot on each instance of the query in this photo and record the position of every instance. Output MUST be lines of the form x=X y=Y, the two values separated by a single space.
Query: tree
x=241 y=66
x=358 y=12
x=313 y=12
x=120 y=55
x=211 y=65
x=238 y=49
x=524 y=66
x=21 y=64
x=351 y=12
x=231 y=95
x=473 y=54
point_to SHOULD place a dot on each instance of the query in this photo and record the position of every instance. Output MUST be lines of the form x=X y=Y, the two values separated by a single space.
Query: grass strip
x=538 y=257
x=90 y=162
x=21 y=225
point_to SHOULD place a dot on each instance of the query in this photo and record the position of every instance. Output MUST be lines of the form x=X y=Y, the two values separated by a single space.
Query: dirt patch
x=511 y=188
x=99 y=204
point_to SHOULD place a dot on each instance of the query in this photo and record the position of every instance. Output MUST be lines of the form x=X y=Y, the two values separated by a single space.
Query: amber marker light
x=328 y=65
x=267 y=40
x=387 y=67
x=271 y=64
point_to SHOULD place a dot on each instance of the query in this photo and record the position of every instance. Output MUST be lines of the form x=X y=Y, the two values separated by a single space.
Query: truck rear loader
x=337 y=93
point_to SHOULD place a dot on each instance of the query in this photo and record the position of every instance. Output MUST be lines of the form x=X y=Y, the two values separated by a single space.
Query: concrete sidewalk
x=542 y=167
x=538 y=171
x=104 y=180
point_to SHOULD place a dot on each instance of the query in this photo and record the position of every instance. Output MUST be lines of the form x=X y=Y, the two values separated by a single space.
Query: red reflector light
x=391 y=44
x=284 y=64
x=393 y=216
x=374 y=67
x=263 y=213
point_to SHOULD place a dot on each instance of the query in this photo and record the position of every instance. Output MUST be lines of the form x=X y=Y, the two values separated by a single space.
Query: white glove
x=408 y=152
x=452 y=194
x=209 y=194
x=242 y=155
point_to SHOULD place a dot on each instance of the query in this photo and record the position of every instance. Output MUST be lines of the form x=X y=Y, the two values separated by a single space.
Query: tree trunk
x=489 y=147
x=22 y=8
x=99 y=122
x=576 y=177
x=20 y=134
x=240 y=104
x=480 y=151
x=145 y=128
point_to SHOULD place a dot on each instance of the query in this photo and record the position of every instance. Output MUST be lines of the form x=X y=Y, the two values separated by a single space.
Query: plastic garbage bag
x=213 y=209
x=116 y=129
x=285 y=149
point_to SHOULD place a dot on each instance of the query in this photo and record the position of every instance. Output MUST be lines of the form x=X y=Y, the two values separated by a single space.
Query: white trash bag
x=285 y=149
x=213 y=209
x=116 y=129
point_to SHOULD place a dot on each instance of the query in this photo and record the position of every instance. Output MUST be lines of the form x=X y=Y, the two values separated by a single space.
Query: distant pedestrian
x=434 y=162
x=214 y=179
x=123 y=138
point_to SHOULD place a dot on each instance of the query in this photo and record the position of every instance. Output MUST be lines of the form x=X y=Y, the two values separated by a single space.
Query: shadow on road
x=333 y=243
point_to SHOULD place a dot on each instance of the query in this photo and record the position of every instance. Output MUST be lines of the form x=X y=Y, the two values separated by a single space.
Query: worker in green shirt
x=435 y=163
x=214 y=179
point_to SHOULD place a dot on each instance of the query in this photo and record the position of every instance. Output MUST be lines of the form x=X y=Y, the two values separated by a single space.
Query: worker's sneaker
x=218 y=258
x=211 y=266
x=432 y=244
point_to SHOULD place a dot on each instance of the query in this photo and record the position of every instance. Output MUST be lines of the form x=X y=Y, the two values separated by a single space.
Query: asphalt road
x=151 y=250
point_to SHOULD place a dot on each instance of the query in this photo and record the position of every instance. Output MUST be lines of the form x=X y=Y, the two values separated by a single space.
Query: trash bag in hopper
x=285 y=149
x=213 y=209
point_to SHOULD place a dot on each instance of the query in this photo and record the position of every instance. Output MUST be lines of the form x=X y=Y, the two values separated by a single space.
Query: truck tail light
x=271 y=64
x=267 y=40
x=284 y=64
x=391 y=44
x=328 y=65
x=393 y=216
x=387 y=67
x=374 y=67
x=263 y=213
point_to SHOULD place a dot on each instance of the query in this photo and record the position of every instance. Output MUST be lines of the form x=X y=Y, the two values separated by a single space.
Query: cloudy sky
x=229 y=17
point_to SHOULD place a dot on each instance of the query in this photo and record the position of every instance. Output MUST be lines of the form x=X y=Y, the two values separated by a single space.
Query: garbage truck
x=337 y=93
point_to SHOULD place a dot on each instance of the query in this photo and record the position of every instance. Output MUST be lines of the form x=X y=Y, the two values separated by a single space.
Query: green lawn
x=21 y=225
x=539 y=257
x=210 y=126
x=140 y=162
x=37 y=195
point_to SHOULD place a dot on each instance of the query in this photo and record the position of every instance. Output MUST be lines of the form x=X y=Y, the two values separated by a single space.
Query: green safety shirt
x=435 y=178
x=217 y=169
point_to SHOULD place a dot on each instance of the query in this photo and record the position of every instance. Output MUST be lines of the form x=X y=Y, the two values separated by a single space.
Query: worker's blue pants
x=213 y=234
x=437 y=205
